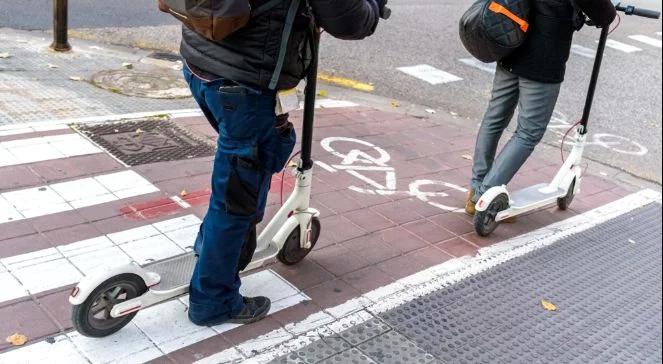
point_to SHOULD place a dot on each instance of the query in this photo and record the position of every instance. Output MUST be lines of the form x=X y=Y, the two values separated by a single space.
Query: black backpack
x=492 y=29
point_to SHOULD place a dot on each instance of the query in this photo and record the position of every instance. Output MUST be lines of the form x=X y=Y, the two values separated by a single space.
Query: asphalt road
x=626 y=117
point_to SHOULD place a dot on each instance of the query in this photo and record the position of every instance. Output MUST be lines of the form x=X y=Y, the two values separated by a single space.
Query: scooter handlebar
x=632 y=10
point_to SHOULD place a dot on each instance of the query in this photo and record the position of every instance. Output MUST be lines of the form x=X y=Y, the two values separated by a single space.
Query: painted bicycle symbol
x=363 y=157
x=559 y=124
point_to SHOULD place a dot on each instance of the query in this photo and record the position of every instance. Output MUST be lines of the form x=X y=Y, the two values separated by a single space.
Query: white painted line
x=583 y=51
x=473 y=62
x=183 y=204
x=72 y=195
x=429 y=74
x=57 y=267
x=626 y=48
x=430 y=280
x=326 y=167
x=647 y=40
x=333 y=104
x=159 y=330
x=46 y=148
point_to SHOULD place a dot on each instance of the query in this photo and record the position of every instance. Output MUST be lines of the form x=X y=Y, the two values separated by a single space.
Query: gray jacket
x=249 y=55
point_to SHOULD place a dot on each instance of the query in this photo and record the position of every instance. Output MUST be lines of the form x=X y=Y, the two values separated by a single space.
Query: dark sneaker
x=255 y=309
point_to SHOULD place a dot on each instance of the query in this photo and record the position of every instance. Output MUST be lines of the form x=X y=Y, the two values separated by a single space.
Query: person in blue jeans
x=235 y=83
x=530 y=78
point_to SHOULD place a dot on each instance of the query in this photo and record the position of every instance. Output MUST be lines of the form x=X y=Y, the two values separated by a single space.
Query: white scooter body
x=541 y=195
x=169 y=279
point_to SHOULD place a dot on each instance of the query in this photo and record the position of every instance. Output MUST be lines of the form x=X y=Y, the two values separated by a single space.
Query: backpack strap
x=287 y=29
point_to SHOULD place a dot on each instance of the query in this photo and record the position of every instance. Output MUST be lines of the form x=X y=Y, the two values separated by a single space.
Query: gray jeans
x=536 y=102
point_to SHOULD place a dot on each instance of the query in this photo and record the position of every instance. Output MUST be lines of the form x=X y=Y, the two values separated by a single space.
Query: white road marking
x=626 y=48
x=57 y=267
x=326 y=167
x=647 y=40
x=72 y=195
x=46 y=148
x=473 y=62
x=429 y=74
x=435 y=278
x=156 y=331
x=332 y=104
x=583 y=51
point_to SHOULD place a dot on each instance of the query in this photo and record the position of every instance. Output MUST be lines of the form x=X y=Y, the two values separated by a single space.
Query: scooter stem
x=594 y=79
x=309 y=106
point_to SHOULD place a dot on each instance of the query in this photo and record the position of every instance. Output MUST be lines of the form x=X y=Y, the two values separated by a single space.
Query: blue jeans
x=536 y=103
x=253 y=144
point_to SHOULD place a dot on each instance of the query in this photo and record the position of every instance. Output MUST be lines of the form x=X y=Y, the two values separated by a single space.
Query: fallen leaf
x=395 y=104
x=5 y=55
x=466 y=156
x=76 y=78
x=17 y=339
x=453 y=113
x=431 y=111
x=127 y=65
x=322 y=93
x=139 y=131
x=549 y=306
x=183 y=193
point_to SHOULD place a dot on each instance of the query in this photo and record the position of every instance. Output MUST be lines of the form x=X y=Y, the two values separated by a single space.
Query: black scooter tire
x=563 y=203
x=484 y=221
x=81 y=315
x=291 y=253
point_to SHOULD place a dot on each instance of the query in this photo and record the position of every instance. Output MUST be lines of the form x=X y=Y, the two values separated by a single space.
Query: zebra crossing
x=436 y=76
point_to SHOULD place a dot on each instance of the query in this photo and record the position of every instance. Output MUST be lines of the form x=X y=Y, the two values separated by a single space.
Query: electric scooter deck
x=533 y=195
x=174 y=272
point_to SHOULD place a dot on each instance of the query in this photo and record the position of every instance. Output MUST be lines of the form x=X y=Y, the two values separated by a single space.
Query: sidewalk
x=389 y=187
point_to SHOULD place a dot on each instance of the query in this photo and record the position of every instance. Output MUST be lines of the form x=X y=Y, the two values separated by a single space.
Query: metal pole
x=60 y=10
x=594 y=79
x=309 y=107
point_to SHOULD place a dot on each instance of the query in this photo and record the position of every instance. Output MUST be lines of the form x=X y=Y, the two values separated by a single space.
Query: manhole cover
x=156 y=85
x=146 y=141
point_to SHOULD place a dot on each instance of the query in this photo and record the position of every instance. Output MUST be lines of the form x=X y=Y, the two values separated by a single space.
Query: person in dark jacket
x=529 y=78
x=236 y=83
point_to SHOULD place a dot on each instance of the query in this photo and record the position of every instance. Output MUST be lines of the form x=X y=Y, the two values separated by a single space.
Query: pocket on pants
x=279 y=150
x=242 y=190
x=239 y=110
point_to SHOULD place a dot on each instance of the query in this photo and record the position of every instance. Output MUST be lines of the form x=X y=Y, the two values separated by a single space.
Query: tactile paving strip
x=605 y=282
x=146 y=141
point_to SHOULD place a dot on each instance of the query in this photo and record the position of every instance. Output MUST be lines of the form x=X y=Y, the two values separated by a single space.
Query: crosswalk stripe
x=429 y=74
x=46 y=148
x=57 y=267
x=72 y=195
x=583 y=51
x=626 y=48
x=156 y=331
x=647 y=40
x=473 y=62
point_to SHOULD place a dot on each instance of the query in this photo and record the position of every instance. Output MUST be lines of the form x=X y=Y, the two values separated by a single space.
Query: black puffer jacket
x=544 y=54
x=249 y=55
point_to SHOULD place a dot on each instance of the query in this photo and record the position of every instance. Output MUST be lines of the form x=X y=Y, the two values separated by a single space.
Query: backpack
x=217 y=19
x=492 y=29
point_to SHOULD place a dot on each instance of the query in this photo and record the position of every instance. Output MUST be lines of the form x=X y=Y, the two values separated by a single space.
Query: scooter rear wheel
x=484 y=221
x=292 y=253
x=92 y=318
x=565 y=202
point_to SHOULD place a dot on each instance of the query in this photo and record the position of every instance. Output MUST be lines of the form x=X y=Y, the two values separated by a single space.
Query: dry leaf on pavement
x=17 y=339
x=466 y=156
x=548 y=305
x=395 y=104
x=183 y=193
x=76 y=78
x=322 y=93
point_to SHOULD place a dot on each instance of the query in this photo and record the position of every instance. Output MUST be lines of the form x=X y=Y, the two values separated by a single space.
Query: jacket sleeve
x=347 y=19
x=602 y=12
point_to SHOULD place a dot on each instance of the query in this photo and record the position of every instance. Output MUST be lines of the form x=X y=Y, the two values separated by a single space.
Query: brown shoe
x=470 y=207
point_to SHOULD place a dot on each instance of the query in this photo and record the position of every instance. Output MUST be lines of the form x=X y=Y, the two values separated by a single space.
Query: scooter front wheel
x=484 y=221
x=93 y=318
x=564 y=202
x=292 y=253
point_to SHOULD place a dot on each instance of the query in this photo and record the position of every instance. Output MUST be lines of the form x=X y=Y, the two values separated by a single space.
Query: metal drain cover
x=146 y=141
x=155 y=85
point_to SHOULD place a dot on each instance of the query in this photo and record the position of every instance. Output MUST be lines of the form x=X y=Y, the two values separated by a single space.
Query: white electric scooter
x=497 y=204
x=105 y=302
